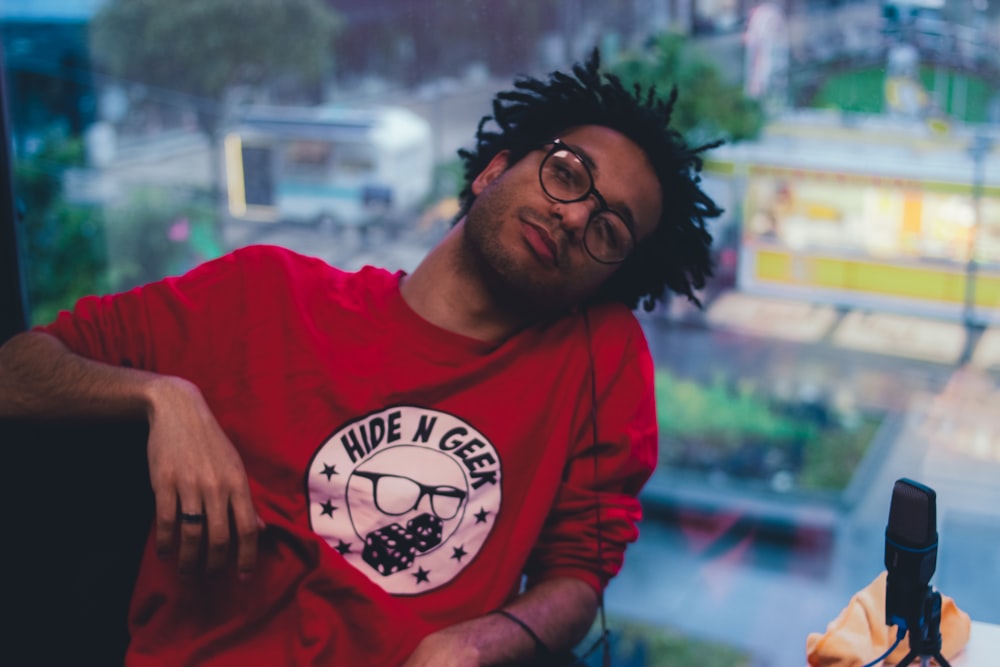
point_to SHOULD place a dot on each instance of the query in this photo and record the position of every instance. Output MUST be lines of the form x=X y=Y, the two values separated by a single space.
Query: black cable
x=900 y=633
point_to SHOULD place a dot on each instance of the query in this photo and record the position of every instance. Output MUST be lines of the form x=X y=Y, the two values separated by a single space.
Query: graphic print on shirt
x=407 y=495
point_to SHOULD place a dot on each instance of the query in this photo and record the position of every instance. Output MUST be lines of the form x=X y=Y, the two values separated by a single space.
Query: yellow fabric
x=859 y=634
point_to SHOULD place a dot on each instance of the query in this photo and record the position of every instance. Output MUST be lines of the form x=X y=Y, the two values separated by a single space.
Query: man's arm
x=559 y=611
x=194 y=468
x=41 y=378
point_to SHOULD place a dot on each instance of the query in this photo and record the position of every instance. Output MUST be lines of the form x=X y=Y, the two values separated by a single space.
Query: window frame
x=13 y=299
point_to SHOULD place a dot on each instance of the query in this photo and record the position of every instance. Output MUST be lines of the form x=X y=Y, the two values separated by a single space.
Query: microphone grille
x=912 y=513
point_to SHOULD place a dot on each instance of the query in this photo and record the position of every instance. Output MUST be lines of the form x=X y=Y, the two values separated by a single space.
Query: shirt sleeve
x=154 y=326
x=596 y=510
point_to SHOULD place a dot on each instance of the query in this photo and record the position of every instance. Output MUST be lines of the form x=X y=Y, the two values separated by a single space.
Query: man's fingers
x=191 y=520
x=217 y=540
x=166 y=517
x=247 y=524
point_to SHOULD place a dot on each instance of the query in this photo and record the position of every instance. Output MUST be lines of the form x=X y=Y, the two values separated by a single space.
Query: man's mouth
x=541 y=242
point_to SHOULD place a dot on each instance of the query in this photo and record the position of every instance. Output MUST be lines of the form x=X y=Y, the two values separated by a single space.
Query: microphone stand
x=925 y=633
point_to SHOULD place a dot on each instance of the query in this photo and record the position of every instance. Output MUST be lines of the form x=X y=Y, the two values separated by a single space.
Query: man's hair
x=677 y=254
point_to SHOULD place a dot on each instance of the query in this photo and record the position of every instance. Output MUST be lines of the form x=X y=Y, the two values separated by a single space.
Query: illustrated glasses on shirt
x=395 y=495
x=566 y=178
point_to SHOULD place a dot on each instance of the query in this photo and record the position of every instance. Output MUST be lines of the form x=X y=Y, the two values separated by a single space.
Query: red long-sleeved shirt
x=409 y=476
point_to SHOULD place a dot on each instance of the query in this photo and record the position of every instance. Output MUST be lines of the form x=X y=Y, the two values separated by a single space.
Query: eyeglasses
x=566 y=178
x=396 y=495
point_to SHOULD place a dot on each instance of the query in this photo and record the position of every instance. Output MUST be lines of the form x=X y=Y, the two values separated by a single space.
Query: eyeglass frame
x=425 y=490
x=557 y=145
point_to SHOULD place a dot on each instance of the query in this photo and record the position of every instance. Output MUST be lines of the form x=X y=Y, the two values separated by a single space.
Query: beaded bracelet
x=540 y=648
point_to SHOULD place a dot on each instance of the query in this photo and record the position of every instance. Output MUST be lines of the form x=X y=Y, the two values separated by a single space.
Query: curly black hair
x=677 y=255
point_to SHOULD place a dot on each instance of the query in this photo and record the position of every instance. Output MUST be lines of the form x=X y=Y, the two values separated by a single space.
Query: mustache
x=531 y=215
x=558 y=237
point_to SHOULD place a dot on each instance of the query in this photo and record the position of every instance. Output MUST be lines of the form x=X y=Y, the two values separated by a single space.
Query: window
x=850 y=337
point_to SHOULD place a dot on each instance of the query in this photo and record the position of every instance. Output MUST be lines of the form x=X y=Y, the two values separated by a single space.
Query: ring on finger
x=193 y=519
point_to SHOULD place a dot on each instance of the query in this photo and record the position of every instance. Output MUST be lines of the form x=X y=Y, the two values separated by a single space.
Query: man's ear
x=497 y=166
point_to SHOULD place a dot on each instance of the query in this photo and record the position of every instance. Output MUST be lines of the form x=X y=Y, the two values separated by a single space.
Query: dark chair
x=78 y=509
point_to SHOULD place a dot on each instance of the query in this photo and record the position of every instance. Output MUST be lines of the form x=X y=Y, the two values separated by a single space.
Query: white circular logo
x=407 y=495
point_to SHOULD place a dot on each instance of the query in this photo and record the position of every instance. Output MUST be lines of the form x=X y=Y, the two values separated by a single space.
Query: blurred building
x=49 y=82
x=870 y=212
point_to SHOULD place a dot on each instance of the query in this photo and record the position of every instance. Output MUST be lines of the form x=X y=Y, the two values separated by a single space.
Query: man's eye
x=564 y=174
x=607 y=231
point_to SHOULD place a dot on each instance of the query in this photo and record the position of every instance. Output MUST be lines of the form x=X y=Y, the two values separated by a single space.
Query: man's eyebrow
x=621 y=207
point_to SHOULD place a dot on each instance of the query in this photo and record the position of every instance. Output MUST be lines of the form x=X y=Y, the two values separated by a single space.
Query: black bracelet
x=540 y=648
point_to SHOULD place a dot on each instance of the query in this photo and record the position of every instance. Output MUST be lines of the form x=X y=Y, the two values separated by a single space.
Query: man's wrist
x=163 y=390
x=541 y=648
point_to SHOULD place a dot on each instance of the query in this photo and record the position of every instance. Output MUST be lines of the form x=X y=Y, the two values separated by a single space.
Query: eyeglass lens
x=565 y=178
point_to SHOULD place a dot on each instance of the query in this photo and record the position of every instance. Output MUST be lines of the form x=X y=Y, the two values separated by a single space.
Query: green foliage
x=724 y=414
x=966 y=97
x=707 y=106
x=67 y=246
x=448 y=178
x=160 y=232
x=633 y=643
x=830 y=461
x=201 y=48
x=861 y=91
x=63 y=243
x=724 y=424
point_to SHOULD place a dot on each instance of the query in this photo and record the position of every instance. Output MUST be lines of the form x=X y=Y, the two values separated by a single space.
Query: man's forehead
x=605 y=147
x=638 y=187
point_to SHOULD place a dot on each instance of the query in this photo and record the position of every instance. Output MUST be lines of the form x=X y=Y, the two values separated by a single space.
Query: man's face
x=529 y=247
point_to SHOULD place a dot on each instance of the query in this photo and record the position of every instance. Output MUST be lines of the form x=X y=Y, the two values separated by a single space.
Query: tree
x=157 y=233
x=64 y=242
x=707 y=106
x=201 y=49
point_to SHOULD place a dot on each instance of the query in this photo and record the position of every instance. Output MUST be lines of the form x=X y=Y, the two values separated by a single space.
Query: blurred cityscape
x=850 y=337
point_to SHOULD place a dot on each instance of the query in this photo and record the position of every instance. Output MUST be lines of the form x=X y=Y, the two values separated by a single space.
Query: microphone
x=911 y=542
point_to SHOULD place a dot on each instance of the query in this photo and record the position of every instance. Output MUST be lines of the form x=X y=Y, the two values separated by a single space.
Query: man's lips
x=540 y=241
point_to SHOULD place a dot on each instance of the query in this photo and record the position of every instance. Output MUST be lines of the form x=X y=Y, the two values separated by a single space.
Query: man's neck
x=447 y=292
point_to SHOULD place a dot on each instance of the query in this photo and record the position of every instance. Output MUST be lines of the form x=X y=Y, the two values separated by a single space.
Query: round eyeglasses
x=566 y=178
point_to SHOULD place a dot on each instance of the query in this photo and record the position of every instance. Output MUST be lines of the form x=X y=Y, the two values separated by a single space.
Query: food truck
x=341 y=166
x=869 y=211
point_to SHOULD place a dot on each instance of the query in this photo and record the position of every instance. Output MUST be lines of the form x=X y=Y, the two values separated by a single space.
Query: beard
x=513 y=279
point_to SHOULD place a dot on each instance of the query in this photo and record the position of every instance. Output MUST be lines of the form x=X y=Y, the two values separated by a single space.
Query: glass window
x=850 y=337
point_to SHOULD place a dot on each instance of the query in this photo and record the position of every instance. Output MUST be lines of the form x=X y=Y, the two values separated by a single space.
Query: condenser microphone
x=911 y=542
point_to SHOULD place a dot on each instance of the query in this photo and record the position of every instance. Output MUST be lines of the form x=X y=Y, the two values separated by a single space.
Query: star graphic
x=344 y=547
x=328 y=508
x=481 y=515
x=459 y=553
x=421 y=575
x=329 y=471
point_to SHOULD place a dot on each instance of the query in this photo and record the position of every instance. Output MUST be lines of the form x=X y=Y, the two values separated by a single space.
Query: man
x=389 y=455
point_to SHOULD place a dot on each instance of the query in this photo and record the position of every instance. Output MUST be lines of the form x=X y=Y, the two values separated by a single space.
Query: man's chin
x=516 y=279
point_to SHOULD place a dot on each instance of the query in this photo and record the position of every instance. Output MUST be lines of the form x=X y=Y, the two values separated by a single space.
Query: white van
x=338 y=166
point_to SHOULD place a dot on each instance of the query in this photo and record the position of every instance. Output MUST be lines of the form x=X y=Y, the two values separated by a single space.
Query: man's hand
x=559 y=611
x=194 y=468
x=198 y=479
x=450 y=647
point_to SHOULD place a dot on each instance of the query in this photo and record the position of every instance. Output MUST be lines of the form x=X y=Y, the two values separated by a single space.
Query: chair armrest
x=78 y=510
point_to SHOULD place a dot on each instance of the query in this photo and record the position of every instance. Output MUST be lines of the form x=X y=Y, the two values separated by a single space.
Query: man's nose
x=573 y=217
